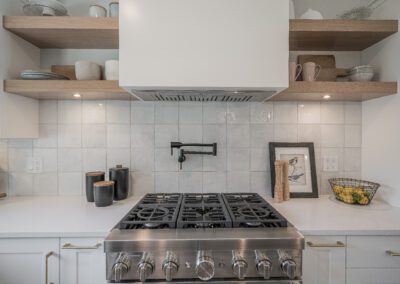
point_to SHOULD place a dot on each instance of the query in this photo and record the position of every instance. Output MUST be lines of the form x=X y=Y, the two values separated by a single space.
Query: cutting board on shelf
x=66 y=70
x=328 y=72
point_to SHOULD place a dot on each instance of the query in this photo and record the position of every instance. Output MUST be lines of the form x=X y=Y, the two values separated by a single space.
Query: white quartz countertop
x=327 y=216
x=59 y=216
x=73 y=217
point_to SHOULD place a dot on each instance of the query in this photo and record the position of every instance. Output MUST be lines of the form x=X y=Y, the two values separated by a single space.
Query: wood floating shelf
x=339 y=35
x=65 y=32
x=338 y=91
x=102 y=33
x=66 y=89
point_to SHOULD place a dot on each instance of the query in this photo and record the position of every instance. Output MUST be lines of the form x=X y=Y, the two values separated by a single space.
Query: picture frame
x=302 y=170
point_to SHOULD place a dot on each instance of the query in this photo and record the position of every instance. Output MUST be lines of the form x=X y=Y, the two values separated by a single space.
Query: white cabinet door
x=82 y=261
x=373 y=276
x=33 y=261
x=324 y=260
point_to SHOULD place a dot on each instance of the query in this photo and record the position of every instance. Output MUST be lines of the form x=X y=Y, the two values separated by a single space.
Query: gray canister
x=103 y=193
x=120 y=176
x=91 y=179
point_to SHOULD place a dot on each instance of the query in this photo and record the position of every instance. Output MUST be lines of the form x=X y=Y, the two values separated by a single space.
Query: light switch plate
x=331 y=163
x=35 y=165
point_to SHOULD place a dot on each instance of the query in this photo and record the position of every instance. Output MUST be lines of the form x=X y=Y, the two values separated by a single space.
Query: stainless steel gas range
x=191 y=238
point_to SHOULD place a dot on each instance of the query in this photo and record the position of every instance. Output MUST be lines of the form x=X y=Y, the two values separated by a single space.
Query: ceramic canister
x=103 y=193
x=91 y=179
x=120 y=176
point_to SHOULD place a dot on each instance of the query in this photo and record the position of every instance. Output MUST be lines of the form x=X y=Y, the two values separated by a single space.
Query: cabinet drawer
x=373 y=252
x=373 y=276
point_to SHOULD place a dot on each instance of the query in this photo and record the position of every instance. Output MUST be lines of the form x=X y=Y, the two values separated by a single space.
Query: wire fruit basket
x=353 y=191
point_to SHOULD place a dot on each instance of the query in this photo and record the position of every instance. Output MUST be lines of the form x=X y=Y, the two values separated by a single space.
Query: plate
x=41 y=75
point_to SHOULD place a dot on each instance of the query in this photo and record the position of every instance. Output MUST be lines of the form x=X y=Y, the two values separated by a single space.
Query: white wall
x=381 y=117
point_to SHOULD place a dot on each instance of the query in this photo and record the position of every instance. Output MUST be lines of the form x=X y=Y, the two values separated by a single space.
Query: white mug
x=111 y=70
x=294 y=71
x=86 y=70
x=97 y=11
x=310 y=71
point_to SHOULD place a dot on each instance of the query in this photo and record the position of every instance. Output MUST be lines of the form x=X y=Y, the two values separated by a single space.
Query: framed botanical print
x=302 y=170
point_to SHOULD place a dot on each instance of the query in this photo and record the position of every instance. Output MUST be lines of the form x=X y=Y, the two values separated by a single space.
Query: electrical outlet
x=36 y=166
x=331 y=163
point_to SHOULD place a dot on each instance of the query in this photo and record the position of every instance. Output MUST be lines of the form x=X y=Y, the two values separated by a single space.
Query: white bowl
x=362 y=73
x=85 y=70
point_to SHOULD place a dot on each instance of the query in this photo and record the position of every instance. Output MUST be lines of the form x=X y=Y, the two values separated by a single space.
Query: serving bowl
x=353 y=191
x=362 y=73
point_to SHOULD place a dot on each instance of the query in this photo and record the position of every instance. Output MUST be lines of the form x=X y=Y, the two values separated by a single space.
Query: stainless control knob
x=121 y=266
x=264 y=265
x=170 y=266
x=205 y=267
x=288 y=265
x=145 y=267
x=239 y=265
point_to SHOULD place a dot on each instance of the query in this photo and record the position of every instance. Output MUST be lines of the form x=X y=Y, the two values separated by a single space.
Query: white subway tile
x=352 y=159
x=194 y=163
x=214 y=112
x=48 y=111
x=261 y=112
x=167 y=182
x=70 y=183
x=261 y=135
x=191 y=133
x=190 y=112
x=94 y=136
x=214 y=182
x=142 y=183
x=352 y=113
x=166 y=113
x=48 y=136
x=94 y=160
x=19 y=160
x=93 y=112
x=214 y=133
x=119 y=112
x=285 y=133
x=48 y=158
x=285 y=112
x=238 y=136
x=332 y=135
x=69 y=135
x=191 y=182
x=215 y=163
x=69 y=111
x=165 y=134
x=142 y=159
x=238 y=113
x=260 y=182
x=118 y=156
x=118 y=136
x=352 y=136
x=259 y=160
x=142 y=112
x=164 y=161
x=238 y=182
x=20 y=184
x=309 y=112
x=69 y=160
x=332 y=113
x=20 y=143
x=310 y=133
x=142 y=135
x=238 y=159
x=45 y=184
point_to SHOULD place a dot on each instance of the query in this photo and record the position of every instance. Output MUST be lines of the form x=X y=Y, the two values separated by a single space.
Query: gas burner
x=254 y=212
x=160 y=198
x=252 y=198
x=152 y=213
x=203 y=217
x=198 y=198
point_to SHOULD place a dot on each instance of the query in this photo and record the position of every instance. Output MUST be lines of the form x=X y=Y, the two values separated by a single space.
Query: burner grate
x=161 y=198
x=203 y=211
x=251 y=210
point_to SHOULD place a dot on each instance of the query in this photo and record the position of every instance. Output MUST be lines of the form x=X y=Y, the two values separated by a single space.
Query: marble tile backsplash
x=76 y=137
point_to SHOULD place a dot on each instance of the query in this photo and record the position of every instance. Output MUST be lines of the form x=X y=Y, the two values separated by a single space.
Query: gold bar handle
x=337 y=245
x=71 y=246
x=392 y=253
x=47 y=266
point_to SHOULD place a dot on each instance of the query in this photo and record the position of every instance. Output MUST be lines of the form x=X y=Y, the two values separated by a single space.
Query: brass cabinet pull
x=47 y=267
x=392 y=253
x=337 y=245
x=71 y=246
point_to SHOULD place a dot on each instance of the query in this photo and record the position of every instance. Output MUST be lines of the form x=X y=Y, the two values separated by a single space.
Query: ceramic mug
x=310 y=71
x=85 y=70
x=111 y=70
x=294 y=71
x=114 y=9
x=97 y=11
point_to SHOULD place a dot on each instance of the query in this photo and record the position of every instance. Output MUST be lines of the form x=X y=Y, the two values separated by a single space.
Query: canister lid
x=119 y=168
x=103 y=184
x=95 y=174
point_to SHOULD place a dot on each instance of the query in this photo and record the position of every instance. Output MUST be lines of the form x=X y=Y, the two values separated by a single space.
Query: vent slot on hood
x=208 y=96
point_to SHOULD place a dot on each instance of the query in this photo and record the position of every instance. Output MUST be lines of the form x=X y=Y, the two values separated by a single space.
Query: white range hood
x=204 y=50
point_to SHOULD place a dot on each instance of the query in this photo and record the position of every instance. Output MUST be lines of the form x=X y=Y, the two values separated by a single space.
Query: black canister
x=92 y=178
x=120 y=176
x=103 y=193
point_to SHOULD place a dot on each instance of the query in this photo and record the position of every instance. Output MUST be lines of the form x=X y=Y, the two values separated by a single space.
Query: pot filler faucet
x=183 y=152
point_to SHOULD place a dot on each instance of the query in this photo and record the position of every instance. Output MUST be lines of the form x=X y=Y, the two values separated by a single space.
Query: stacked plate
x=44 y=8
x=41 y=75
